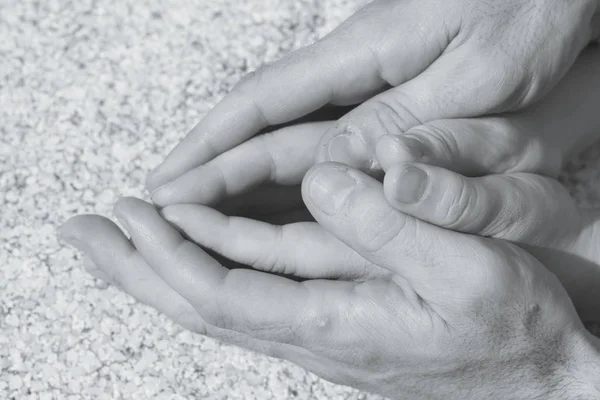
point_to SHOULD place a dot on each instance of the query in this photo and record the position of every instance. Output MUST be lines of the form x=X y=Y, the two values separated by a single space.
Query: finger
x=240 y=300
x=113 y=256
x=472 y=147
x=303 y=249
x=351 y=205
x=92 y=269
x=110 y=254
x=333 y=70
x=519 y=207
x=282 y=157
x=532 y=140
x=437 y=93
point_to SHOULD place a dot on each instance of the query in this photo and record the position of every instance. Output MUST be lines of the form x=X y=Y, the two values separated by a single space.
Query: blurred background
x=93 y=94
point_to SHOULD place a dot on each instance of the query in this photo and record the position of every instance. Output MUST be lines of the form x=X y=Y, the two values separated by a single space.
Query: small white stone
x=12 y=320
x=15 y=382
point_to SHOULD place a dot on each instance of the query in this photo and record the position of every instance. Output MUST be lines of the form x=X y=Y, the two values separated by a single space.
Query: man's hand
x=530 y=210
x=454 y=316
x=410 y=62
x=537 y=139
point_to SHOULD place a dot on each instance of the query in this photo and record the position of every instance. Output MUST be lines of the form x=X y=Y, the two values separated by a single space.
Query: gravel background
x=93 y=94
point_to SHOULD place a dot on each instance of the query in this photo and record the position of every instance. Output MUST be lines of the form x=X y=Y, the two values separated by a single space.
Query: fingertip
x=390 y=151
x=131 y=211
x=74 y=228
x=318 y=169
x=393 y=149
x=406 y=184
x=172 y=212
x=162 y=195
x=67 y=228
x=123 y=205
x=151 y=182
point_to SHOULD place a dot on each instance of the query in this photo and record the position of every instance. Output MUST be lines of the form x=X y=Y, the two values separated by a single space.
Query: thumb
x=519 y=207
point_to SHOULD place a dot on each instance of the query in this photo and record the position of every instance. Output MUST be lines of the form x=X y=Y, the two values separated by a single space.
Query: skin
x=409 y=62
x=533 y=211
x=457 y=316
x=538 y=139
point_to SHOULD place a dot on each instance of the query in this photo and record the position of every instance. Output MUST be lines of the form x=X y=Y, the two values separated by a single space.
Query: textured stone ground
x=93 y=93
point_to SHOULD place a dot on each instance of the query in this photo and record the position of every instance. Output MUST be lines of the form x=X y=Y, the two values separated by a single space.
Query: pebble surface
x=93 y=94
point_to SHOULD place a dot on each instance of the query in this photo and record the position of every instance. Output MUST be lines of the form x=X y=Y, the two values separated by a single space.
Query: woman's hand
x=410 y=62
x=454 y=316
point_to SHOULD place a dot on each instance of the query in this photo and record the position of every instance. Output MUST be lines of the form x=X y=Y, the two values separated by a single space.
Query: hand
x=410 y=62
x=260 y=177
x=457 y=316
x=540 y=213
x=530 y=210
x=538 y=139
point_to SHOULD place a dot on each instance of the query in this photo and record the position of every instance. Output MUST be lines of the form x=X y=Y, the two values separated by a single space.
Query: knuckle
x=393 y=113
x=498 y=79
x=508 y=141
x=268 y=152
x=511 y=85
x=273 y=261
x=458 y=211
x=440 y=137
x=517 y=151
x=511 y=216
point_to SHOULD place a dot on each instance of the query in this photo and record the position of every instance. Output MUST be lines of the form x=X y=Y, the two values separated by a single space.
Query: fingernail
x=411 y=184
x=155 y=179
x=330 y=189
x=415 y=146
x=149 y=183
x=350 y=149
x=123 y=222
x=163 y=194
x=72 y=241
